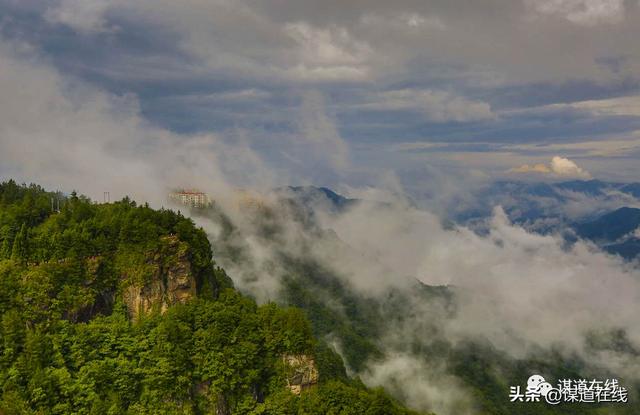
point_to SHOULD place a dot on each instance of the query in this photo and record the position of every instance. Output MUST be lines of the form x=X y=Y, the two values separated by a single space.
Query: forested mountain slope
x=120 y=309
x=401 y=325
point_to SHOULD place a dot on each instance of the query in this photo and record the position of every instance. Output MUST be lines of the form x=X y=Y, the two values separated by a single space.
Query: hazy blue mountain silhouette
x=612 y=226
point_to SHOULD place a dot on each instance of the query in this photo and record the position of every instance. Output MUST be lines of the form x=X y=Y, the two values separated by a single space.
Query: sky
x=328 y=92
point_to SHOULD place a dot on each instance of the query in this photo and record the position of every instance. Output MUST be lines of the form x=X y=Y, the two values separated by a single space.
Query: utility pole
x=55 y=203
x=106 y=197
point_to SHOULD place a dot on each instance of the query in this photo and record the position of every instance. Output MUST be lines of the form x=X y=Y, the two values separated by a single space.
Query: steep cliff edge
x=302 y=372
x=169 y=280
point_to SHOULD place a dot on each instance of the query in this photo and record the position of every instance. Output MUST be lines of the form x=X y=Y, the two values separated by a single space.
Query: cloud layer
x=475 y=77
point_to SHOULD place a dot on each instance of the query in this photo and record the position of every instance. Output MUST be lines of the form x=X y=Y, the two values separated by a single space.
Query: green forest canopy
x=67 y=344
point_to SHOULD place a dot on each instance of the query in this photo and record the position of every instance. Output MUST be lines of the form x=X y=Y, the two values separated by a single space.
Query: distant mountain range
x=606 y=213
x=616 y=232
x=546 y=207
x=632 y=189
x=611 y=226
x=312 y=198
x=311 y=194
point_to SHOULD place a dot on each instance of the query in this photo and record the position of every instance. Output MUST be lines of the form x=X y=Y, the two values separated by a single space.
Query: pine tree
x=8 y=234
x=5 y=251
x=19 y=252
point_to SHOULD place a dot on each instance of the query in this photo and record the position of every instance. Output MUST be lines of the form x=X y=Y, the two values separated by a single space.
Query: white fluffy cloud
x=565 y=167
x=559 y=166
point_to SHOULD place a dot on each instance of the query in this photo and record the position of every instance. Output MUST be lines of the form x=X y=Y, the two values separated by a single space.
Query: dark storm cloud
x=405 y=71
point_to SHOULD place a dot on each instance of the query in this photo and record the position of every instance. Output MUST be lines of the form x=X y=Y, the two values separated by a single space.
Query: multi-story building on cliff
x=192 y=198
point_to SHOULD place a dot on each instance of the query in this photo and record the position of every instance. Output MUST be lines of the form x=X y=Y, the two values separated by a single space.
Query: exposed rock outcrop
x=302 y=372
x=171 y=282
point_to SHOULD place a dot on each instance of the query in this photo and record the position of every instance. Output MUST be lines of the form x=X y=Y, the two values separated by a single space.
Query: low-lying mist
x=520 y=293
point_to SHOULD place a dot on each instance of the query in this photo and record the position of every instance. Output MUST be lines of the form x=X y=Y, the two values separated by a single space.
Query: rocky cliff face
x=302 y=372
x=171 y=282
